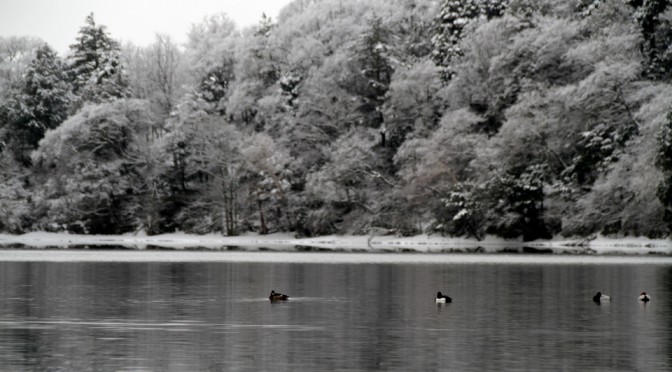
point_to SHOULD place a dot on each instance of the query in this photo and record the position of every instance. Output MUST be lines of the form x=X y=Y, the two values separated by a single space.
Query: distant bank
x=336 y=243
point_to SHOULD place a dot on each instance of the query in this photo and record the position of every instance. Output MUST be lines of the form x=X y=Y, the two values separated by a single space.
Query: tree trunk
x=263 y=230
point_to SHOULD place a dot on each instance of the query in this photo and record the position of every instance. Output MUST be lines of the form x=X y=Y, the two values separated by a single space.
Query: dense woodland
x=520 y=118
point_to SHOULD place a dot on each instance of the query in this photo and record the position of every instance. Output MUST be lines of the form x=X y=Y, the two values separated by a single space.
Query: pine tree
x=40 y=103
x=375 y=56
x=269 y=72
x=266 y=26
x=374 y=59
x=657 y=33
x=95 y=64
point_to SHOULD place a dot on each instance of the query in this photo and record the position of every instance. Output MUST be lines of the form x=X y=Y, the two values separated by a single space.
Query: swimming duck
x=644 y=297
x=599 y=297
x=277 y=296
x=441 y=299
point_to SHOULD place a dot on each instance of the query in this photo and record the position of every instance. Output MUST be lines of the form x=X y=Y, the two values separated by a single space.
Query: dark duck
x=277 y=296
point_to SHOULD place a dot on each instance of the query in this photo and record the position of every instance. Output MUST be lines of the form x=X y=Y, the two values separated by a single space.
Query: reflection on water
x=153 y=316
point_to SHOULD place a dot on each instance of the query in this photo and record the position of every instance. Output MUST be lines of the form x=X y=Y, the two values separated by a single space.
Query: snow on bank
x=286 y=242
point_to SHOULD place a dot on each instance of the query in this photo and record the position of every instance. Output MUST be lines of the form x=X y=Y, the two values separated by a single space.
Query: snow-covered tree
x=16 y=197
x=664 y=162
x=349 y=185
x=84 y=168
x=657 y=32
x=268 y=175
x=411 y=24
x=374 y=58
x=157 y=73
x=413 y=105
x=257 y=71
x=462 y=212
x=443 y=159
x=587 y=7
x=38 y=103
x=203 y=168
x=212 y=164
x=95 y=64
x=16 y=52
x=210 y=56
x=516 y=203
x=451 y=22
x=520 y=118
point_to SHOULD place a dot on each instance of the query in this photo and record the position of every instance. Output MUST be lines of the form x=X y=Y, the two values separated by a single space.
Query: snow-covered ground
x=286 y=242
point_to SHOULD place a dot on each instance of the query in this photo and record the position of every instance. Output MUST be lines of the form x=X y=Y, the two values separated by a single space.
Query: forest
x=524 y=119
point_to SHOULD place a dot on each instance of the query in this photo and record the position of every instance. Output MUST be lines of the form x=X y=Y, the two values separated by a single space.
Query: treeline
x=519 y=118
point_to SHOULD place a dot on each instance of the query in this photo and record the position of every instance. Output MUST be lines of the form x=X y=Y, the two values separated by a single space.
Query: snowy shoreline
x=334 y=243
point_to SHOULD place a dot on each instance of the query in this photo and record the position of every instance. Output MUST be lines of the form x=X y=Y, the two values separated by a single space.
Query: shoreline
x=346 y=243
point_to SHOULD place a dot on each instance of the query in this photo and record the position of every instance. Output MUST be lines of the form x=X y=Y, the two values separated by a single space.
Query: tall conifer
x=95 y=64
x=40 y=102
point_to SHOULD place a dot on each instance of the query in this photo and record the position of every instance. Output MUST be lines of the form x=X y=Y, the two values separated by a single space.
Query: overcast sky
x=58 y=21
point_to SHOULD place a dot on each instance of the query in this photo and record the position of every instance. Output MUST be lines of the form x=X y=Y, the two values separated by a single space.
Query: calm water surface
x=508 y=314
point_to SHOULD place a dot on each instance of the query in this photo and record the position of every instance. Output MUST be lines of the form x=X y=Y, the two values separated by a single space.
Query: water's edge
x=371 y=244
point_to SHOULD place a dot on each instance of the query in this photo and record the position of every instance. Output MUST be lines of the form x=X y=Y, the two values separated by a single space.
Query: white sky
x=58 y=21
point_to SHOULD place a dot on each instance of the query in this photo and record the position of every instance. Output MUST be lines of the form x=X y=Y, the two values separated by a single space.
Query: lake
x=209 y=311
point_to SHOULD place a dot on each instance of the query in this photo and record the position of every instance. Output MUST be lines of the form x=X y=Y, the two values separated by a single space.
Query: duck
x=277 y=296
x=644 y=297
x=442 y=299
x=599 y=297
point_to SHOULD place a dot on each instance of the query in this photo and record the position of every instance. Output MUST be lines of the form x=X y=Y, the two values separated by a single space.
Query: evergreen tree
x=375 y=56
x=95 y=64
x=451 y=22
x=374 y=61
x=39 y=103
x=269 y=73
x=664 y=163
x=454 y=16
x=266 y=26
x=657 y=33
x=516 y=203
